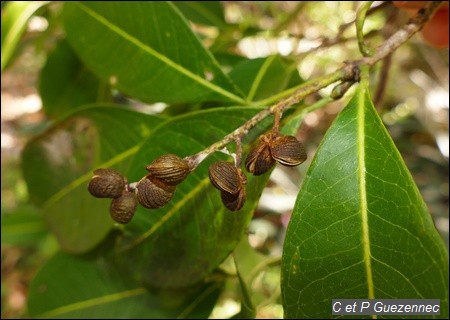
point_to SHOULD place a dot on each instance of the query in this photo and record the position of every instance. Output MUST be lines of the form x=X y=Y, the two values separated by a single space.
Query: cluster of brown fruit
x=157 y=188
x=231 y=181
x=108 y=183
x=153 y=191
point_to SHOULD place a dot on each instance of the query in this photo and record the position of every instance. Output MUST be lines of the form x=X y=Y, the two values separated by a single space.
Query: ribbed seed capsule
x=225 y=177
x=169 y=168
x=233 y=202
x=123 y=208
x=107 y=183
x=288 y=151
x=259 y=160
x=152 y=193
x=231 y=182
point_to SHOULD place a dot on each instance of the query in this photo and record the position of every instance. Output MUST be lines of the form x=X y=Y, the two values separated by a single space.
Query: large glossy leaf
x=65 y=83
x=181 y=243
x=76 y=287
x=15 y=18
x=58 y=164
x=147 y=50
x=360 y=228
x=262 y=77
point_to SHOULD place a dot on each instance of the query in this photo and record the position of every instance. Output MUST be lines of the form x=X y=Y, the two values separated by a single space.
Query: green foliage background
x=359 y=228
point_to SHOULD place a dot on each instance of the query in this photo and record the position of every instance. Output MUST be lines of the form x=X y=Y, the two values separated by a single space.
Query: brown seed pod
x=169 y=168
x=231 y=182
x=259 y=159
x=107 y=183
x=153 y=193
x=287 y=150
x=233 y=202
x=123 y=208
x=226 y=177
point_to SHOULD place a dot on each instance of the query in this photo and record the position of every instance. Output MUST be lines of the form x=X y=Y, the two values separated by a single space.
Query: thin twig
x=238 y=159
x=282 y=105
x=397 y=39
x=382 y=81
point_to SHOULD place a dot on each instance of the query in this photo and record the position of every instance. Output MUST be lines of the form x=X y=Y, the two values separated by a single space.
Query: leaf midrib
x=160 y=57
x=363 y=192
x=93 y=302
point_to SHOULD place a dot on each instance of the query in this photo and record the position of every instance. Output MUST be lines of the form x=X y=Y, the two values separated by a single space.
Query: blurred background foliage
x=410 y=91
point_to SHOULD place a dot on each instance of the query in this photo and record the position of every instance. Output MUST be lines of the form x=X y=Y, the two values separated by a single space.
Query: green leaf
x=360 y=228
x=147 y=51
x=15 y=18
x=203 y=12
x=58 y=165
x=262 y=77
x=181 y=243
x=65 y=83
x=23 y=227
x=77 y=287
